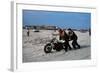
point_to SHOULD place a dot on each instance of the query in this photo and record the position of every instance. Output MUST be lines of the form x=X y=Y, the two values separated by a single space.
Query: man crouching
x=74 y=38
x=63 y=36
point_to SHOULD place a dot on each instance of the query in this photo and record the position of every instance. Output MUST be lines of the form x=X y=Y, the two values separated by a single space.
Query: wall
x=5 y=33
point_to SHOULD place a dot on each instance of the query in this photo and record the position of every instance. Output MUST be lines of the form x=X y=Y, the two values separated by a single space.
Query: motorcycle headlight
x=61 y=41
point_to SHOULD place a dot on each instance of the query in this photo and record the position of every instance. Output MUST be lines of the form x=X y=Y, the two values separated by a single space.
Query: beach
x=33 y=47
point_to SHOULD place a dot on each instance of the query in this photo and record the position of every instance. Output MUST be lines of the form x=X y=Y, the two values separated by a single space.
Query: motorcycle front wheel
x=48 y=48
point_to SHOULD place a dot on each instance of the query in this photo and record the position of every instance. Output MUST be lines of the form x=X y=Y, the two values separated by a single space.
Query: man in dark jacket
x=65 y=37
x=73 y=37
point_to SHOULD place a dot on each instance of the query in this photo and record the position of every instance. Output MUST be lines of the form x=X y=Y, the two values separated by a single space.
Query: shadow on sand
x=84 y=46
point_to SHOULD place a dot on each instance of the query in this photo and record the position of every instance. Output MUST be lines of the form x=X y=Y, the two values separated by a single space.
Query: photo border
x=16 y=51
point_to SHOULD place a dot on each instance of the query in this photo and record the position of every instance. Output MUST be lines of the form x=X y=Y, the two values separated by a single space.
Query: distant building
x=45 y=27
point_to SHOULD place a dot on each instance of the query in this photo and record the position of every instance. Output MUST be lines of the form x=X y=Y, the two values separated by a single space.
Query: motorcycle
x=54 y=44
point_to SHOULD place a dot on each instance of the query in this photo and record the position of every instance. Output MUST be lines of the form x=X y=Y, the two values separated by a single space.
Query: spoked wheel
x=47 y=48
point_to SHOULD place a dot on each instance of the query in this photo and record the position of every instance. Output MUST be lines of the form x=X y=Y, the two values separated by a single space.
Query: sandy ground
x=33 y=47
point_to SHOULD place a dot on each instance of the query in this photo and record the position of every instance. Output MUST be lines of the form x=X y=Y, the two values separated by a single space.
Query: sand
x=33 y=47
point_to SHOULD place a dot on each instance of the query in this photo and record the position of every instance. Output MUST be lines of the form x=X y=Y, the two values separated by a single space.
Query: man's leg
x=66 y=46
x=74 y=44
x=77 y=44
x=69 y=46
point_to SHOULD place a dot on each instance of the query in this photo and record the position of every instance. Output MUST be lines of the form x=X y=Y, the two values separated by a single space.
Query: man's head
x=69 y=29
x=61 y=32
x=70 y=32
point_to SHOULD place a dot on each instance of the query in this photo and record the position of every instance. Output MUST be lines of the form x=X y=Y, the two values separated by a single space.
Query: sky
x=75 y=20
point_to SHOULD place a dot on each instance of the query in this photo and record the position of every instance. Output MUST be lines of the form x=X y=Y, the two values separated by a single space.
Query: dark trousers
x=28 y=33
x=75 y=44
x=67 y=46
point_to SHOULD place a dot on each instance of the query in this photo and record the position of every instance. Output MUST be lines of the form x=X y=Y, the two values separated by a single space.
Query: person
x=63 y=36
x=89 y=32
x=28 y=32
x=74 y=38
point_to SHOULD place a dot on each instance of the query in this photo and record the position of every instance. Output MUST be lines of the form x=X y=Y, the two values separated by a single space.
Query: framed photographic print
x=52 y=36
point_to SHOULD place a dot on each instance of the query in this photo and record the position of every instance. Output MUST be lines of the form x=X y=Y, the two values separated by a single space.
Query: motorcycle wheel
x=47 y=48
